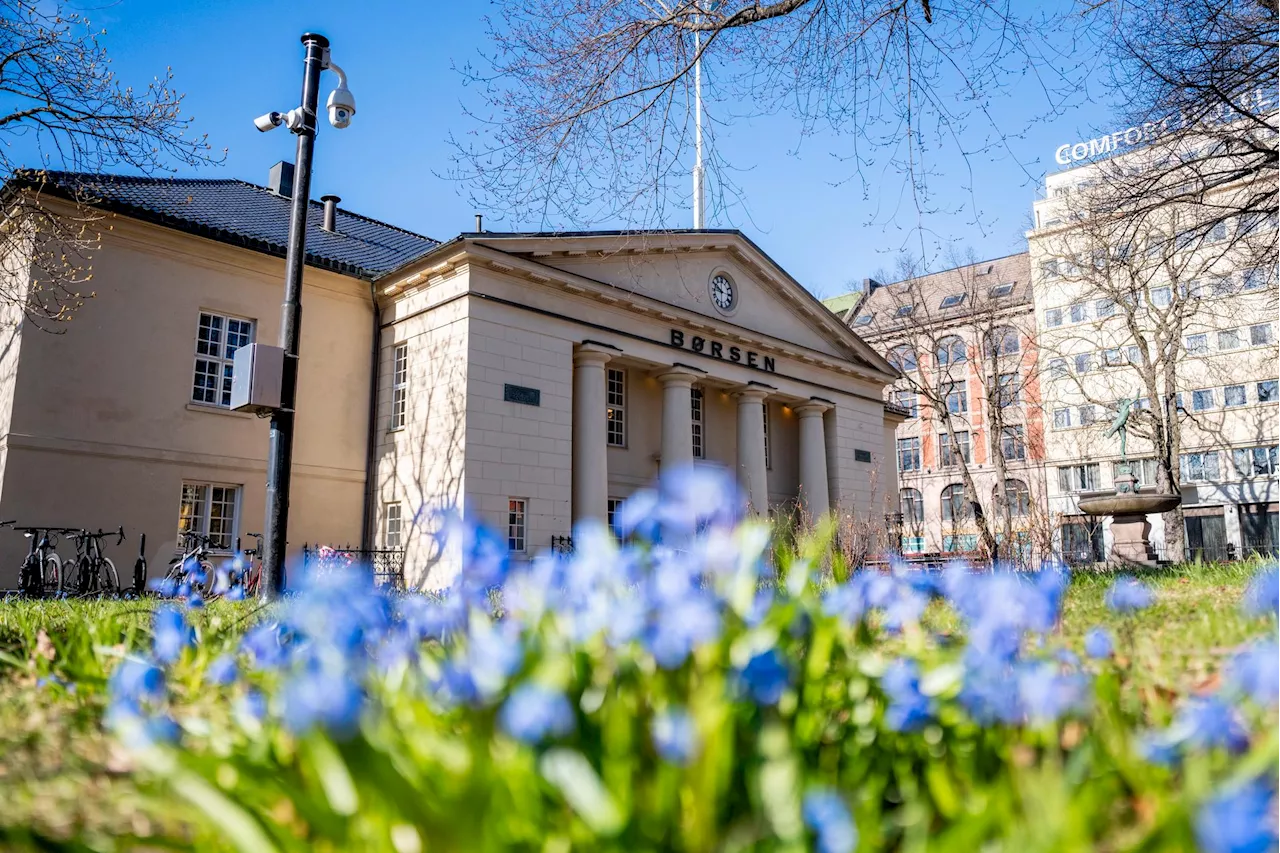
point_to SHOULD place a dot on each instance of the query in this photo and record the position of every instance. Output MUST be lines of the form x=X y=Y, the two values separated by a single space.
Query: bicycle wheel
x=52 y=577
x=29 y=577
x=75 y=575
x=109 y=577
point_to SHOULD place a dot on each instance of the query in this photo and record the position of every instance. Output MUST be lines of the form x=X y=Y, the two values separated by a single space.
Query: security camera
x=269 y=121
x=341 y=103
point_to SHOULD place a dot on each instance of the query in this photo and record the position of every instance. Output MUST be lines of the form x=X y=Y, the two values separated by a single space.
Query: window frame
x=222 y=361
x=960 y=390
x=1203 y=400
x=615 y=407
x=1013 y=437
x=1189 y=462
x=768 y=454
x=399 y=416
x=951 y=499
x=1273 y=390
x=1008 y=389
x=1201 y=347
x=697 y=423
x=518 y=525
x=1268 y=336
x=951 y=300
x=392 y=525
x=1243 y=396
x=945 y=459
x=908 y=495
x=910 y=446
x=1052 y=318
x=206 y=511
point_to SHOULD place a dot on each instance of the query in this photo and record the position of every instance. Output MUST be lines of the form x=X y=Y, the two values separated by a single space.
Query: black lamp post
x=302 y=121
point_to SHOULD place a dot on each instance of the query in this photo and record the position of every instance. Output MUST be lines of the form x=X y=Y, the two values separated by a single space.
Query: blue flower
x=1238 y=820
x=1127 y=595
x=986 y=694
x=222 y=670
x=680 y=626
x=766 y=676
x=637 y=516
x=137 y=680
x=265 y=644
x=675 y=736
x=827 y=815
x=533 y=712
x=1098 y=644
x=170 y=634
x=1205 y=723
x=328 y=700
x=1047 y=694
x=1256 y=672
x=909 y=709
x=138 y=729
x=1262 y=597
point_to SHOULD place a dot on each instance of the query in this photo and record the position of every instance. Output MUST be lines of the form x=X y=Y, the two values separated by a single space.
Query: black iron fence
x=387 y=565
x=562 y=544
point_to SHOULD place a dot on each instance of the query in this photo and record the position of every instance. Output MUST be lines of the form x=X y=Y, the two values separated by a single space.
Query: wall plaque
x=522 y=395
x=862 y=456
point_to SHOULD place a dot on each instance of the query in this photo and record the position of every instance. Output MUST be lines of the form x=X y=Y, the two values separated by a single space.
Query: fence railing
x=387 y=565
x=562 y=544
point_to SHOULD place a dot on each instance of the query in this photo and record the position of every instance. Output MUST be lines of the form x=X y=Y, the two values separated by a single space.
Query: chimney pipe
x=280 y=179
x=479 y=222
x=330 y=212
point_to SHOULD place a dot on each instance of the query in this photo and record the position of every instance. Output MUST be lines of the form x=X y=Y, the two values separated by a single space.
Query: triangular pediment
x=688 y=270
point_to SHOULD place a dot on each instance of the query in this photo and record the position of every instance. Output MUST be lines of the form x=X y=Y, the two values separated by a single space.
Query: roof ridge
x=352 y=213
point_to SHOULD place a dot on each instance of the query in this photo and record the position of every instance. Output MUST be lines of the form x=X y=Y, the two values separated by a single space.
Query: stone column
x=752 y=472
x=590 y=438
x=814 y=495
x=677 y=417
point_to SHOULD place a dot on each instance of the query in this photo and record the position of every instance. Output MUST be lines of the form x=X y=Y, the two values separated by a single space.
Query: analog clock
x=722 y=293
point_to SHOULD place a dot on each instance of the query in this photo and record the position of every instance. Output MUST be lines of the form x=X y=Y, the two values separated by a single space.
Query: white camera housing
x=342 y=106
x=268 y=121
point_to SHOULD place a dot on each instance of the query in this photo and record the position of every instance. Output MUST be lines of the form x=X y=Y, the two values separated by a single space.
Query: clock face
x=722 y=292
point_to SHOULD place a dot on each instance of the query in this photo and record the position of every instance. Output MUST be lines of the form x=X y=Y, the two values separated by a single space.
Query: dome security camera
x=342 y=106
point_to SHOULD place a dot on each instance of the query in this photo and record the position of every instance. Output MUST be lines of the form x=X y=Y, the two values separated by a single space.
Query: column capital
x=589 y=352
x=751 y=394
x=814 y=407
x=679 y=375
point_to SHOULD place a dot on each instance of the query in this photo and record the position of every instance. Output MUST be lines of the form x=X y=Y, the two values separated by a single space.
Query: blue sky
x=236 y=59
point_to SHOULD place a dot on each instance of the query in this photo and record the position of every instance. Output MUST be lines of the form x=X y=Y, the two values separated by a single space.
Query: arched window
x=912 y=506
x=954 y=507
x=903 y=357
x=1004 y=341
x=1016 y=496
x=951 y=351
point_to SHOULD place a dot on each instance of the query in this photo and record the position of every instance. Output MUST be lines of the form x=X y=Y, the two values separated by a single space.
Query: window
x=1057 y=368
x=1229 y=339
x=909 y=454
x=1261 y=334
x=903 y=357
x=391 y=526
x=1267 y=391
x=1218 y=231
x=1005 y=341
x=912 y=544
x=954 y=507
x=1234 y=395
x=399 y=386
x=1088 y=415
x=912 y=503
x=1016 y=498
x=1007 y=389
x=217 y=339
x=1105 y=307
x=699 y=432
x=951 y=351
x=946 y=450
x=956 y=396
x=1049 y=269
x=1184 y=239
x=1112 y=357
x=616 y=406
x=909 y=401
x=1161 y=297
x=1201 y=466
x=1251 y=222
x=768 y=455
x=1254 y=279
x=864 y=320
x=516 y=525
x=209 y=509
x=1084 y=362
x=611 y=507
x=952 y=300
x=1254 y=461
x=962 y=544
x=1053 y=317
x=1061 y=418
x=1013 y=443
x=1000 y=290
x=904 y=311
x=1133 y=355
x=1079 y=312
x=1202 y=400
x=1197 y=344
x=1220 y=285
x=1079 y=478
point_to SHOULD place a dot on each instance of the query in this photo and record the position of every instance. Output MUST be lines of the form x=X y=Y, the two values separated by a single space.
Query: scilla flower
x=675 y=736
x=826 y=814
x=533 y=712
x=1127 y=595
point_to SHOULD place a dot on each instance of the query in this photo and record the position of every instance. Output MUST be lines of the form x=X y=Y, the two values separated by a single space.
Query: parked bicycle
x=251 y=572
x=92 y=571
x=193 y=565
x=41 y=571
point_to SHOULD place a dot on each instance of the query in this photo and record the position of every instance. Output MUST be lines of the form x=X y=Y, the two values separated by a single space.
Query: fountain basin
x=1130 y=530
x=1110 y=503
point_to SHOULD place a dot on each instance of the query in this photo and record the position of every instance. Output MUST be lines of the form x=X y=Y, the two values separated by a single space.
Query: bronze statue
x=1118 y=426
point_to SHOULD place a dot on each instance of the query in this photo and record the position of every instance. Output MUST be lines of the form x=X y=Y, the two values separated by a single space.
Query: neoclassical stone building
x=534 y=379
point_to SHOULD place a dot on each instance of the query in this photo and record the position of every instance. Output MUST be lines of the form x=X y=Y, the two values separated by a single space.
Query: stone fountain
x=1128 y=508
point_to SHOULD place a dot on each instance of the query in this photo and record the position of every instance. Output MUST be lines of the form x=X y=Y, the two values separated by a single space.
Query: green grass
x=64 y=785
